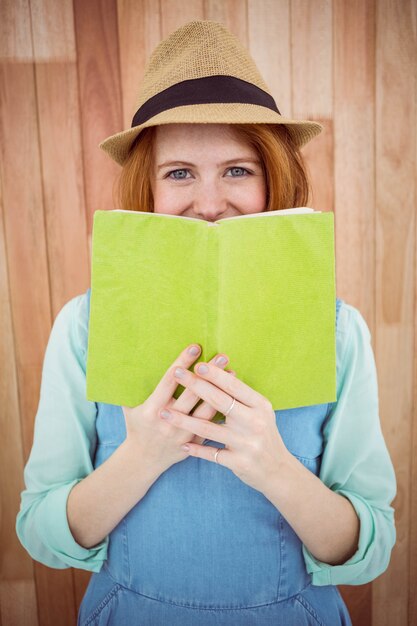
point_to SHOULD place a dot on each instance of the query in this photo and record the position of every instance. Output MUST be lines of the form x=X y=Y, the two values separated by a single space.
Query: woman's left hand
x=254 y=449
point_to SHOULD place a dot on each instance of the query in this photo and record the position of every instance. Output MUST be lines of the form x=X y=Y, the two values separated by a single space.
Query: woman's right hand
x=159 y=441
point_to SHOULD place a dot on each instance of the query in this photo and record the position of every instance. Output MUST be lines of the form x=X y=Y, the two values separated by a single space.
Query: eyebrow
x=236 y=160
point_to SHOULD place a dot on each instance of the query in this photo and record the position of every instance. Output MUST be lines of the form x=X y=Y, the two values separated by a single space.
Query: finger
x=235 y=388
x=188 y=399
x=203 y=428
x=166 y=387
x=209 y=454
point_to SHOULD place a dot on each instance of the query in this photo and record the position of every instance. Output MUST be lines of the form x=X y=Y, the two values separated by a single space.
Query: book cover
x=258 y=287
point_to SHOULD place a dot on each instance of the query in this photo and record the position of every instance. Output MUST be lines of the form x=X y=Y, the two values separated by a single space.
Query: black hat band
x=206 y=90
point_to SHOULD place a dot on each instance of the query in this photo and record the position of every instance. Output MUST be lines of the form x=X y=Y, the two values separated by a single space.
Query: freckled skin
x=209 y=189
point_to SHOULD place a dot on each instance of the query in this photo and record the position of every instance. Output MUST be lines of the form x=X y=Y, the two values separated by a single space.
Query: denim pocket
x=325 y=605
x=101 y=613
x=310 y=610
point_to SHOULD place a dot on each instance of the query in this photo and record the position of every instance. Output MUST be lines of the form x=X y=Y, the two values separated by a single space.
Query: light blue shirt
x=355 y=461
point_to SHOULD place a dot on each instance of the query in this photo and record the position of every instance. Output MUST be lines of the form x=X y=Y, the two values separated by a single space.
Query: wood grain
x=232 y=13
x=98 y=69
x=311 y=91
x=411 y=597
x=25 y=312
x=139 y=24
x=395 y=283
x=270 y=21
x=354 y=158
x=24 y=304
x=172 y=14
x=15 y=37
x=17 y=570
x=311 y=49
x=18 y=603
x=63 y=195
x=53 y=31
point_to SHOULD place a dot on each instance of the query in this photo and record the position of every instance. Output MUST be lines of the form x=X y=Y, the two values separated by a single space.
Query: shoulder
x=354 y=349
x=351 y=323
x=71 y=323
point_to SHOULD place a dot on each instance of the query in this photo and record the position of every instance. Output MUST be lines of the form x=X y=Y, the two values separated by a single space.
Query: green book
x=258 y=287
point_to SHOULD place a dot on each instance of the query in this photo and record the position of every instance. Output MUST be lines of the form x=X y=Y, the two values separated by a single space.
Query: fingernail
x=221 y=360
x=179 y=372
x=194 y=350
x=166 y=415
x=202 y=369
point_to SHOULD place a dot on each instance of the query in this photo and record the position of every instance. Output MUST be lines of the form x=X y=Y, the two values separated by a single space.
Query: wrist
x=138 y=461
x=279 y=481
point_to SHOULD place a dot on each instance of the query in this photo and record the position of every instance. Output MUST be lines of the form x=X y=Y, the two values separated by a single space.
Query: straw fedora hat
x=202 y=74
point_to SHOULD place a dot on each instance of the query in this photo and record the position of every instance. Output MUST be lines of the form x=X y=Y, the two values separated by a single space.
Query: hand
x=254 y=447
x=187 y=400
x=159 y=441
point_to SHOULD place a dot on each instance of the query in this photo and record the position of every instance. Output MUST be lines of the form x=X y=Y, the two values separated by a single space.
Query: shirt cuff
x=347 y=573
x=57 y=537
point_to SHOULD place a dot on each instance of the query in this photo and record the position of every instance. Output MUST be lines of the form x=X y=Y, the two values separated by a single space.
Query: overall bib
x=202 y=548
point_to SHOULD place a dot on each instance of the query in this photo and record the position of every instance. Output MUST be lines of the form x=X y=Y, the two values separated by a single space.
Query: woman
x=252 y=520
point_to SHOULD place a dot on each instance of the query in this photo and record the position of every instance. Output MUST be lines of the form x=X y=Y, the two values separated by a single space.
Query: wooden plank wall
x=69 y=72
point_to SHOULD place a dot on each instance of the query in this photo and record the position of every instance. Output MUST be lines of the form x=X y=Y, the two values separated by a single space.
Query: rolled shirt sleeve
x=355 y=462
x=63 y=448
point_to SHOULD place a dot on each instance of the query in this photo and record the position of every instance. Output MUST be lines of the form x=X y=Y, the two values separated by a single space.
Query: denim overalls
x=202 y=548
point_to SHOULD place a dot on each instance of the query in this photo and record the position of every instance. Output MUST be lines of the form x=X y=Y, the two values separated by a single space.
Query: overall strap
x=88 y=294
x=338 y=305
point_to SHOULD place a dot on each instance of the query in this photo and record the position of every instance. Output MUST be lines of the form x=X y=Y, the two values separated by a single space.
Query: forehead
x=183 y=136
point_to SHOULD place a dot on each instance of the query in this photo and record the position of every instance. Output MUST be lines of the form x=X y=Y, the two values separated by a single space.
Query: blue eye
x=181 y=174
x=175 y=177
x=242 y=169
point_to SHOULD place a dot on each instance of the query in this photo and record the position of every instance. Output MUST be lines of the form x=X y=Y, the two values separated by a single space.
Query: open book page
x=260 y=290
x=277 y=304
x=294 y=211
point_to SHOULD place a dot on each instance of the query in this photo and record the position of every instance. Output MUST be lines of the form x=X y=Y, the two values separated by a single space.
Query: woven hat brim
x=117 y=146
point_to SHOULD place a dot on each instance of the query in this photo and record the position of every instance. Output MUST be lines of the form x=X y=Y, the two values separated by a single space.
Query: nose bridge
x=210 y=197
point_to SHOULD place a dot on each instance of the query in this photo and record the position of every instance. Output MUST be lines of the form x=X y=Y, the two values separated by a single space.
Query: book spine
x=212 y=288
